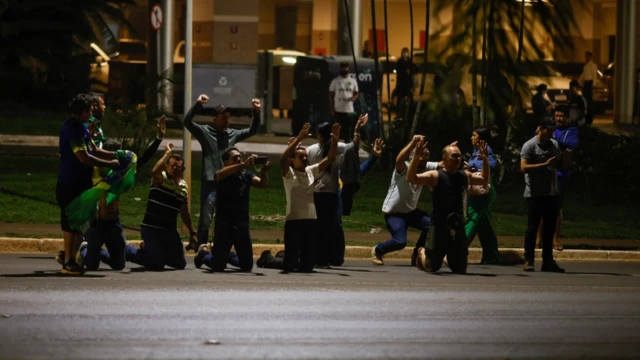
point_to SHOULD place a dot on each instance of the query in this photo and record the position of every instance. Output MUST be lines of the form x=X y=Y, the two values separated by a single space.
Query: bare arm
x=526 y=167
x=333 y=150
x=403 y=155
x=293 y=144
x=156 y=172
x=428 y=178
x=90 y=160
x=153 y=147
x=186 y=220
x=227 y=171
x=196 y=129
x=485 y=176
x=263 y=180
x=104 y=154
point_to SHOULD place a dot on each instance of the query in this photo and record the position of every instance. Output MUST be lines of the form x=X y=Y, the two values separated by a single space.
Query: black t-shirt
x=404 y=74
x=232 y=198
x=448 y=196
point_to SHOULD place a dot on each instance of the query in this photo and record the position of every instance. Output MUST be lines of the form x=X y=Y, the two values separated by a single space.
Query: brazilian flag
x=82 y=210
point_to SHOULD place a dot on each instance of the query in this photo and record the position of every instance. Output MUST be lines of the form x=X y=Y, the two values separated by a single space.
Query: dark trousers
x=543 y=208
x=398 y=224
x=454 y=245
x=161 y=247
x=207 y=208
x=347 y=125
x=299 y=245
x=224 y=237
x=327 y=245
x=587 y=92
x=110 y=234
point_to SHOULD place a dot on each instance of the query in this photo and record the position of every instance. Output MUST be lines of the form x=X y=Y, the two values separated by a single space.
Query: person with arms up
x=540 y=158
x=159 y=229
x=232 y=213
x=299 y=180
x=448 y=190
x=78 y=156
x=214 y=139
x=343 y=91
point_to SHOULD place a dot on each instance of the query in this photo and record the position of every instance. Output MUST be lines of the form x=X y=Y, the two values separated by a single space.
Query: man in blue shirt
x=78 y=156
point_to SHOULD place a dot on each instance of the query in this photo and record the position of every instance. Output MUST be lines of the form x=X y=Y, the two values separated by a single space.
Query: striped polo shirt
x=165 y=200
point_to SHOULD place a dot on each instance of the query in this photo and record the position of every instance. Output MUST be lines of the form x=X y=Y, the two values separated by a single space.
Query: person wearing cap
x=540 y=159
x=214 y=139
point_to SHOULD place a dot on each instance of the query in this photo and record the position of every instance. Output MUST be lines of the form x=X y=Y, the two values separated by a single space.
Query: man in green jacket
x=214 y=139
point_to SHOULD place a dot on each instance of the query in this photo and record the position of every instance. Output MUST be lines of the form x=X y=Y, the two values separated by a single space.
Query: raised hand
x=266 y=166
x=551 y=162
x=362 y=120
x=255 y=103
x=455 y=143
x=483 y=148
x=162 y=126
x=335 y=132
x=203 y=99
x=416 y=139
x=420 y=151
x=249 y=161
x=378 y=146
x=168 y=148
x=304 y=132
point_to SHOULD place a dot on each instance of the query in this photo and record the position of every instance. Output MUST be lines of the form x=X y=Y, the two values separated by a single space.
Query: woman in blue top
x=478 y=219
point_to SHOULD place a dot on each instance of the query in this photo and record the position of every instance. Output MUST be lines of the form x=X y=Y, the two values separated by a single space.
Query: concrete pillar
x=625 y=73
x=324 y=27
x=235 y=32
x=355 y=9
x=167 y=48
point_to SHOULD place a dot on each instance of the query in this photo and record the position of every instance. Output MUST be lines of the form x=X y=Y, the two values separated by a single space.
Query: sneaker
x=421 y=261
x=280 y=254
x=79 y=258
x=375 y=258
x=551 y=266
x=202 y=250
x=414 y=257
x=445 y=262
x=71 y=268
x=528 y=266
x=60 y=257
x=262 y=260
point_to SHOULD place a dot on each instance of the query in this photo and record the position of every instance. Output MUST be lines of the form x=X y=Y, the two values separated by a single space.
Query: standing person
x=539 y=159
x=404 y=80
x=540 y=103
x=448 y=189
x=95 y=121
x=214 y=139
x=578 y=106
x=567 y=138
x=478 y=219
x=587 y=79
x=299 y=180
x=159 y=229
x=343 y=91
x=400 y=206
x=367 y=50
x=326 y=192
x=106 y=229
x=78 y=156
x=233 y=183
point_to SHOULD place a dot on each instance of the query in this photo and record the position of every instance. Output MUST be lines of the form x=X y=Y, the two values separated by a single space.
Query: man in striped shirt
x=167 y=197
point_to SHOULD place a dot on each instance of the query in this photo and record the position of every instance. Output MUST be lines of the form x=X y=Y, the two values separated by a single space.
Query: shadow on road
x=596 y=273
x=52 y=273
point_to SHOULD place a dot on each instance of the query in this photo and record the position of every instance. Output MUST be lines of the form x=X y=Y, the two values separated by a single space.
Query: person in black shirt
x=448 y=189
x=404 y=77
x=232 y=213
x=540 y=103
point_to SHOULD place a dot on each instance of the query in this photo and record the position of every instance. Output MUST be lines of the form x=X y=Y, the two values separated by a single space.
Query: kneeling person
x=167 y=197
x=448 y=188
x=232 y=213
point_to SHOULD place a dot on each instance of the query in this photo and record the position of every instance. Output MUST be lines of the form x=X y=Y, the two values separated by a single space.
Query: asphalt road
x=357 y=311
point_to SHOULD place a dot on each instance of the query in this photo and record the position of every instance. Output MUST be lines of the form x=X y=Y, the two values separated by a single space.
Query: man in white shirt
x=587 y=79
x=400 y=210
x=343 y=91
x=299 y=180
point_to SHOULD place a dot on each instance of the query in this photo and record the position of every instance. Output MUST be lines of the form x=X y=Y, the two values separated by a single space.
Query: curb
x=512 y=256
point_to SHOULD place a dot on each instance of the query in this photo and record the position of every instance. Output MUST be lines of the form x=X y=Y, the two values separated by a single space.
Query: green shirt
x=213 y=143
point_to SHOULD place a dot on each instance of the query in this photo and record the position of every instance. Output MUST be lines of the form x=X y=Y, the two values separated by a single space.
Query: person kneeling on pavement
x=448 y=189
x=300 y=180
x=167 y=197
x=232 y=213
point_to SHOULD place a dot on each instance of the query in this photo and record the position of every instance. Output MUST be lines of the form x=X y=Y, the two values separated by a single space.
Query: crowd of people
x=320 y=182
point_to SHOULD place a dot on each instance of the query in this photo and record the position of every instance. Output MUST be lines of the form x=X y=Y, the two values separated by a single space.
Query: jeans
x=454 y=246
x=299 y=245
x=398 y=224
x=225 y=236
x=328 y=245
x=207 y=208
x=161 y=247
x=109 y=233
x=543 y=208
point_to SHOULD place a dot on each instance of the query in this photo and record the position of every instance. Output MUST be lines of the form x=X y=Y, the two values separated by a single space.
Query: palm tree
x=43 y=37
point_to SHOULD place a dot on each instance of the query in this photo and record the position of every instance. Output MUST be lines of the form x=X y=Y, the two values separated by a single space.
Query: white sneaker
x=375 y=258
x=421 y=262
x=79 y=259
x=445 y=262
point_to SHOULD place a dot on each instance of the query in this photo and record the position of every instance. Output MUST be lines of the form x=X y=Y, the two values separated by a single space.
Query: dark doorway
x=612 y=47
x=286 y=20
